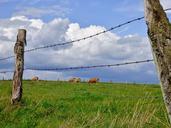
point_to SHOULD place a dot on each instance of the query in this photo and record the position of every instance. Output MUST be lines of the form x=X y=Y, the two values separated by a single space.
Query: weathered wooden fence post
x=3 y=78
x=19 y=66
x=159 y=32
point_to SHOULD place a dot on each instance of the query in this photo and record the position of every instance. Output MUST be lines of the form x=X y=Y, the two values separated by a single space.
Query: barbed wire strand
x=3 y=72
x=88 y=67
x=6 y=58
x=83 y=67
x=85 y=38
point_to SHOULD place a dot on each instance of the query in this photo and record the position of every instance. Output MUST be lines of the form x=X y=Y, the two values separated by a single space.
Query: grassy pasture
x=50 y=104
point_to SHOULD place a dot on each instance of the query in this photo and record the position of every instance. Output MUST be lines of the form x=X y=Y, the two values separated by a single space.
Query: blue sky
x=72 y=19
x=97 y=12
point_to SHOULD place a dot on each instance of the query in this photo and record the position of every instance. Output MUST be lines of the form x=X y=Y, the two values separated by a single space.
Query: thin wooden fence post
x=19 y=66
x=159 y=32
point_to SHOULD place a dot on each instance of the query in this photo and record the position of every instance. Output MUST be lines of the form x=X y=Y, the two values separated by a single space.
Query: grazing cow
x=35 y=78
x=71 y=80
x=77 y=80
x=93 y=80
x=74 y=80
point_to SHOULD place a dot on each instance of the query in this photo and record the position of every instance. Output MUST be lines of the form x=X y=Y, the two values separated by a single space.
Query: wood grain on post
x=159 y=32
x=19 y=66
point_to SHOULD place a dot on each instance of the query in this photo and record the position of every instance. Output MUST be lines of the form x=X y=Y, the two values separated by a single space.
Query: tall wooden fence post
x=19 y=66
x=159 y=32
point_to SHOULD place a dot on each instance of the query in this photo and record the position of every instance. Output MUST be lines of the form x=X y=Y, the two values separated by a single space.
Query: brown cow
x=93 y=80
x=77 y=80
x=35 y=78
x=71 y=80
x=74 y=80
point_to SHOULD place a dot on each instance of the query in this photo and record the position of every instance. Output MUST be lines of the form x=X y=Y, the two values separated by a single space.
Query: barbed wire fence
x=76 y=41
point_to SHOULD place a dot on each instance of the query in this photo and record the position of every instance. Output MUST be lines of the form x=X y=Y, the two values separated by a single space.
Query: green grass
x=47 y=104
